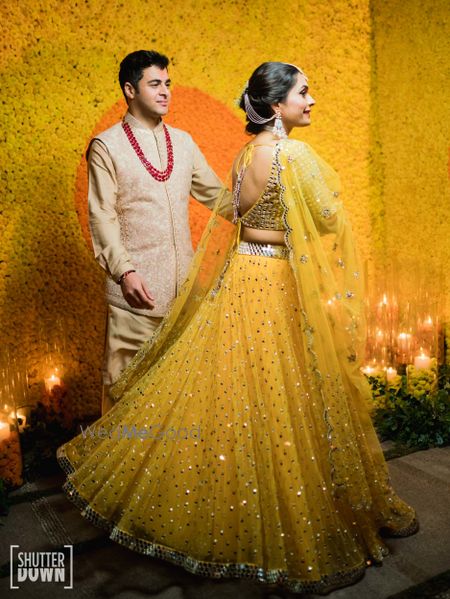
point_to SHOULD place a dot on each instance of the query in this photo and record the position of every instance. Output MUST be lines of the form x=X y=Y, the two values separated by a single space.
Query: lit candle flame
x=52 y=381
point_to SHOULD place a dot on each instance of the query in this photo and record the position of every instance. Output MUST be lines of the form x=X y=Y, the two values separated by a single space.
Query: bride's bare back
x=253 y=184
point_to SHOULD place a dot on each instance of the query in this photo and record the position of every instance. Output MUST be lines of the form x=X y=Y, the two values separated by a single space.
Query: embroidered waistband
x=263 y=249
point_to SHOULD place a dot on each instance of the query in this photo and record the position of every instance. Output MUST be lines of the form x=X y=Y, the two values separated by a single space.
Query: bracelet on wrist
x=125 y=275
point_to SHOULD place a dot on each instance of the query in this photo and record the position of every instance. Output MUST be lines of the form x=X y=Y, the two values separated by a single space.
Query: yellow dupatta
x=330 y=288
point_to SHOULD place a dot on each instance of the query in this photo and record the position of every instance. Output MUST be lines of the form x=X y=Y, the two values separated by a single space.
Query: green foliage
x=419 y=420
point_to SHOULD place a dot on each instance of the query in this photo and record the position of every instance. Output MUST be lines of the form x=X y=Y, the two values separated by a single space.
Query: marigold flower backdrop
x=377 y=72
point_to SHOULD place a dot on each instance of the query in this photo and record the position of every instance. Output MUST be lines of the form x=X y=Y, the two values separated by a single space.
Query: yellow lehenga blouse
x=241 y=444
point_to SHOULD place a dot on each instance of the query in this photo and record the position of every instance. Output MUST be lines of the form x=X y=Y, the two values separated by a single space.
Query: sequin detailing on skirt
x=207 y=569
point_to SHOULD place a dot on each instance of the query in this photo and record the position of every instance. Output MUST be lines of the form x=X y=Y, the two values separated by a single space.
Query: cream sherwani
x=139 y=223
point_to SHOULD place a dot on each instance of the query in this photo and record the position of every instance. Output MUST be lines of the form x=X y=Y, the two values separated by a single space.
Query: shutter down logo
x=41 y=566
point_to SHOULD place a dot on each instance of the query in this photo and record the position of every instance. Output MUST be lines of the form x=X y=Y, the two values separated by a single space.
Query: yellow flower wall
x=59 y=64
x=411 y=124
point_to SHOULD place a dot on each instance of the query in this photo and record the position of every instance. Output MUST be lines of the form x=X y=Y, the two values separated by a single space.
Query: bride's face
x=296 y=109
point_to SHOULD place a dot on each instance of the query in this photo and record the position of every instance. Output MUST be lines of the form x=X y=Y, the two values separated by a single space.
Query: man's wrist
x=124 y=276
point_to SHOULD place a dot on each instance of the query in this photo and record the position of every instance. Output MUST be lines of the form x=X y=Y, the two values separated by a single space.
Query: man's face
x=152 y=97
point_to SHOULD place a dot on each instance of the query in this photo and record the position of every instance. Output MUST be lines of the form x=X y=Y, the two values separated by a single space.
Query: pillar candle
x=52 y=381
x=391 y=373
x=422 y=362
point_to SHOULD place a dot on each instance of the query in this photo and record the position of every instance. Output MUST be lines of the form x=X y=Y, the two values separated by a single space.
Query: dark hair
x=270 y=83
x=133 y=64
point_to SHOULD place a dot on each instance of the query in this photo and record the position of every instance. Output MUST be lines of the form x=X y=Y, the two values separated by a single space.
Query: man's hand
x=136 y=292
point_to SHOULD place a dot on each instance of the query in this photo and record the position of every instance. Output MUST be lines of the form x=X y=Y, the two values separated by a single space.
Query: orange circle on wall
x=215 y=129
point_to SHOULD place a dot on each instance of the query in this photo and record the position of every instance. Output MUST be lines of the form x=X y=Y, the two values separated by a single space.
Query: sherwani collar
x=134 y=122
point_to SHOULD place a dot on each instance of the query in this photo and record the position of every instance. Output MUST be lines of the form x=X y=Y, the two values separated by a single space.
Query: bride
x=241 y=443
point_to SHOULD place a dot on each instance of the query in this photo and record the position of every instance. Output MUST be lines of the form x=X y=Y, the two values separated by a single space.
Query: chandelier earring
x=278 y=129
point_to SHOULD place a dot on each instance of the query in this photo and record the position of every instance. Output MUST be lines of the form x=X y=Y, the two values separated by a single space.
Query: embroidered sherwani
x=137 y=222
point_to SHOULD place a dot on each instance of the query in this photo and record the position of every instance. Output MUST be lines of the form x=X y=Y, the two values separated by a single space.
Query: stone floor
x=43 y=519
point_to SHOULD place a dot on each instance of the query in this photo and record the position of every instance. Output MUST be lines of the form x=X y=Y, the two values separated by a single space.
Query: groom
x=141 y=173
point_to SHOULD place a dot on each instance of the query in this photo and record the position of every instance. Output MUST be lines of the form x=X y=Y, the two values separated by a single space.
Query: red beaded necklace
x=155 y=173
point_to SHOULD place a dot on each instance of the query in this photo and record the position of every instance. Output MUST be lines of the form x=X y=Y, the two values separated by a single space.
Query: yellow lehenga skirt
x=221 y=464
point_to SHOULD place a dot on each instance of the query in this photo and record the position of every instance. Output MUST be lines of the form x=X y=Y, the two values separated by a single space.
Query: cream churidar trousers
x=125 y=334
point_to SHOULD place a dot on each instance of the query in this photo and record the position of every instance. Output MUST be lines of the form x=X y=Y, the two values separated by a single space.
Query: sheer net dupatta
x=208 y=264
x=330 y=290
x=324 y=252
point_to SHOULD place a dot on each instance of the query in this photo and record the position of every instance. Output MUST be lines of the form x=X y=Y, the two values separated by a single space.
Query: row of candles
x=421 y=362
x=15 y=410
x=9 y=415
x=15 y=397
x=403 y=336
